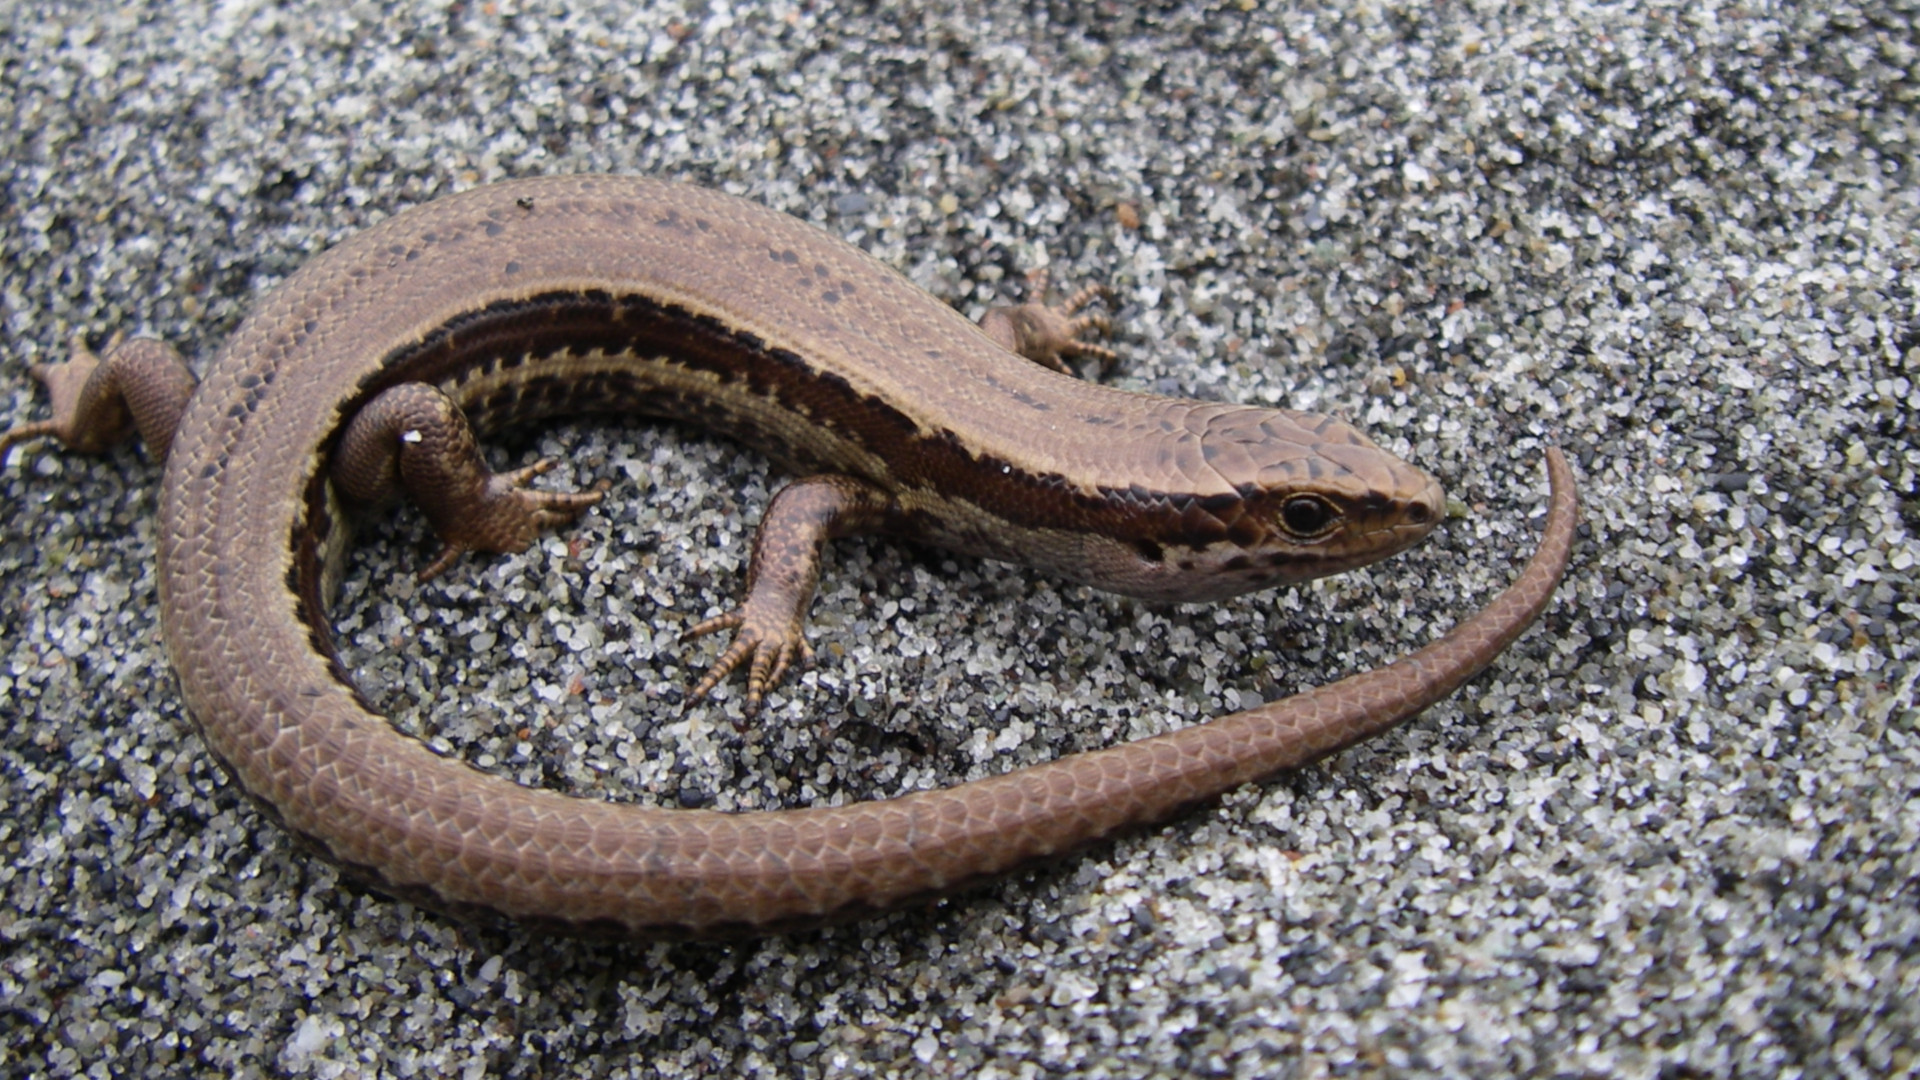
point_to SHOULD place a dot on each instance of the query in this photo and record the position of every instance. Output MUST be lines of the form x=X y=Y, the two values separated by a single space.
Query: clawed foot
x=1048 y=334
x=511 y=516
x=63 y=383
x=98 y=400
x=768 y=646
x=769 y=627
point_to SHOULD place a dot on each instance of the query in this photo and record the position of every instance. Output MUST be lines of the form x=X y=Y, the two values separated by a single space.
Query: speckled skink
x=367 y=373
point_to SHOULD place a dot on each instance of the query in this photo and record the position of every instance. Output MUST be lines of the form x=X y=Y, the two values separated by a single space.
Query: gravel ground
x=1671 y=834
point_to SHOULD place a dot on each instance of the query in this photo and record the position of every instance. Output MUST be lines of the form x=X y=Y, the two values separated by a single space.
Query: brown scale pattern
x=531 y=297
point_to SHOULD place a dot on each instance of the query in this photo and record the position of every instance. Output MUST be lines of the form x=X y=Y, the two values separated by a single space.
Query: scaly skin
x=366 y=375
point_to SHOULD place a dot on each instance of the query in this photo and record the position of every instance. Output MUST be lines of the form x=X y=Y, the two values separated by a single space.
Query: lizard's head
x=1294 y=496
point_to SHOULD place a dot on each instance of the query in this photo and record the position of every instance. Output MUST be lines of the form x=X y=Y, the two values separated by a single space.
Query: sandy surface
x=1671 y=834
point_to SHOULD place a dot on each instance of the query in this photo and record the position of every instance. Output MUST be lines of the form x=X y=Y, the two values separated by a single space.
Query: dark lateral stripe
x=510 y=334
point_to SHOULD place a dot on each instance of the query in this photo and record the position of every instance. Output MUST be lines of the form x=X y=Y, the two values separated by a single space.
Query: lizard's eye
x=1308 y=516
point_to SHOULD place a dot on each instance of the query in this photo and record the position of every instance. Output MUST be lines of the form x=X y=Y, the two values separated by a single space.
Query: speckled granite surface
x=1671 y=834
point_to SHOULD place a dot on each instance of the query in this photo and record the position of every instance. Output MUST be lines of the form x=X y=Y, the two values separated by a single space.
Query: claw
x=449 y=554
x=767 y=656
x=1048 y=334
x=770 y=633
x=1081 y=298
x=730 y=621
x=548 y=508
x=521 y=477
x=24 y=432
x=523 y=513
